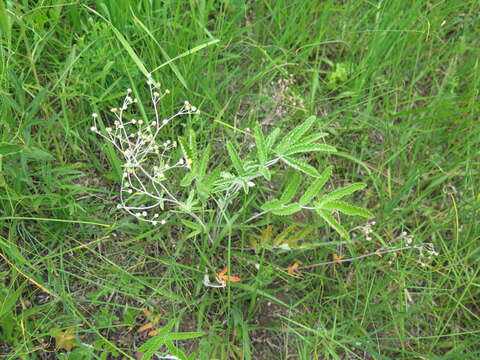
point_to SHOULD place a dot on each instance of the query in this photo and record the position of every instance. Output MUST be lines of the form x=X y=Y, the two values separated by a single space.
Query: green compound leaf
x=151 y=346
x=312 y=138
x=314 y=189
x=347 y=209
x=187 y=151
x=287 y=209
x=192 y=141
x=330 y=220
x=202 y=167
x=340 y=193
x=301 y=166
x=295 y=135
x=291 y=188
x=272 y=204
x=310 y=148
x=271 y=138
x=236 y=161
x=262 y=150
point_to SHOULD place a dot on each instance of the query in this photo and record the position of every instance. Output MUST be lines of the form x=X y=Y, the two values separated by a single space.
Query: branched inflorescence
x=147 y=161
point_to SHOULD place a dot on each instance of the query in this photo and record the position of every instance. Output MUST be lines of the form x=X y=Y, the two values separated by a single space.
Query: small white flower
x=167 y=91
x=108 y=129
x=94 y=115
x=156 y=215
x=165 y=121
x=134 y=121
x=129 y=90
x=144 y=213
x=251 y=184
x=130 y=191
x=163 y=222
x=113 y=110
x=93 y=128
x=154 y=223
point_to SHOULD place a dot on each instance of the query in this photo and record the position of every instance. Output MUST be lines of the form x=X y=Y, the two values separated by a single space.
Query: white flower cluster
x=146 y=160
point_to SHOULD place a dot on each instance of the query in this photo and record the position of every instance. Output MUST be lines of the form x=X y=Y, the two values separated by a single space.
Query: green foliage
x=166 y=337
x=395 y=85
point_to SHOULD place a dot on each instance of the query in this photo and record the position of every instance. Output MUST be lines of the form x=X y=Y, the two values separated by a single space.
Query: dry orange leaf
x=293 y=269
x=223 y=278
x=65 y=340
x=146 y=311
x=154 y=320
x=145 y=327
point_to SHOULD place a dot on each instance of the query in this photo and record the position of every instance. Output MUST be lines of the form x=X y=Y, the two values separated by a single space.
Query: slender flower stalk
x=147 y=161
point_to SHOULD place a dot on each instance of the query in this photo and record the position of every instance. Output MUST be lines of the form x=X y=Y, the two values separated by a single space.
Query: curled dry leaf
x=223 y=278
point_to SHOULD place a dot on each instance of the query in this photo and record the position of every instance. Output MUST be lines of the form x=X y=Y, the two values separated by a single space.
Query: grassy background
x=395 y=83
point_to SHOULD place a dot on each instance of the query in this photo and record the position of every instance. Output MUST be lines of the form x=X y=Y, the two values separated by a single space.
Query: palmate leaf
x=151 y=346
x=192 y=141
x=312 y=138
x=330 y=220
x=294 y=136
x=301 y=166
x=347 y=209
x=287 y=209
x=203 y=163
x=310 y=148
x=314 y=189
x=186 y=150
x=271 y=138
x=340 y=193
x=272 y=204
x=236 y=161
x=291 y=188
x=262 y=150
